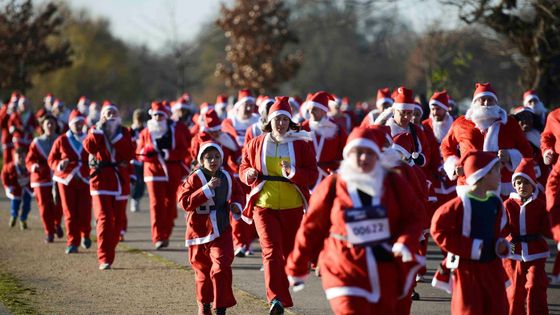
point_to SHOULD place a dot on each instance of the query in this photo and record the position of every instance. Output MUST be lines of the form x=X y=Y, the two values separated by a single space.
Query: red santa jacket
x=328 y=152
x=196 y=198
x=232 y=152
x=451 y=228
x=443 y=185
x=26 y=124
x=504 y=134
x=183 y=129
x=158 y=163
x=63 y=149
x=107 y=155
x=304 y=169
x=253 y=131
x=549 y=136
x=238 y=128
x=6 y=135
x=15 y=180
x=528 y=222
x=349 y=269
x=37 y=162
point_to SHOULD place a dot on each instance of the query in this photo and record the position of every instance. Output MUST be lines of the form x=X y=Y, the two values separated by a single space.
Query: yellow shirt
x=278 y=195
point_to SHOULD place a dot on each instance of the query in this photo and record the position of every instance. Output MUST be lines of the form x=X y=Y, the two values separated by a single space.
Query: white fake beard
x=484 y=116
x=324 y=127
x=157 y=128
x=371 y=183
x=442 y=127
x=112 y=125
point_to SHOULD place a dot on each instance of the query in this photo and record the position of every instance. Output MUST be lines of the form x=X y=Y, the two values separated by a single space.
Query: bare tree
x=531 y=27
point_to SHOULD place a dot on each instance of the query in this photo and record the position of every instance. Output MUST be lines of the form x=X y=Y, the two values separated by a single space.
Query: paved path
x=311 y=300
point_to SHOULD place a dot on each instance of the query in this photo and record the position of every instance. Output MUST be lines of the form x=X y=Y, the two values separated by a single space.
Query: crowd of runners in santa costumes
x=357 y=203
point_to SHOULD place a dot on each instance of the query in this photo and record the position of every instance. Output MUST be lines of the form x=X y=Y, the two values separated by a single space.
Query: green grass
x=15 y=296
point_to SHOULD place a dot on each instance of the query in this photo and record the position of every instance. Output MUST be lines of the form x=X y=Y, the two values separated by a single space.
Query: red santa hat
x=14 y=97
x=221 y=100
x=22 y=101
x=205 y=146
x=75 y=116
x=364 y=137
x=295 y=101
x=182 y=102
x=403 y=144
x=281 y=106
x=48 y=99
x=82 y=101
x=530 y=95
x=521 y=109
x=108 y=105
x=418 y=106
x=526 y=169
x=404 y=99
x=319 y=100
x=244 y=96
x=205 y=107
x=476 y=164
x=211 y=121
x=484 y=89
x=159 y=108
x=334 y=101
x=383 y=96
x=440 y=99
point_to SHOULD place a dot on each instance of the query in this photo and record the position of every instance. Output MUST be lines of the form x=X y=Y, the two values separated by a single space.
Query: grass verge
x=15 y=296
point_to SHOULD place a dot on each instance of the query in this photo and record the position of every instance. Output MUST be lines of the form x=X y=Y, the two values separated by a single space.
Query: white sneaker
x=134 y=205
x=239 y=252
x=104 y=266
x=420 y=278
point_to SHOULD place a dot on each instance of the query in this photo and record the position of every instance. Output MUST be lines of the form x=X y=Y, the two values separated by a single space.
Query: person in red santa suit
x=528 y=223
x=328 y=137
x=23 y=120
x=470 y=228
x=296 y=105
x=15 y=179
x=242 y=117
x=62 y=114
x=208 y=196
x=109 y=146
x=183 y=110
x=527 y=120
x=363 y=224
x=532 y=100
x=438 y=123
x=48 y=101
x=5 y=114
x=211 y=130
x=255 y=129
x=69 y=162
x=221 y=106
x=340 y=115
x=279 y=165
x=162 y=147
x=42 y=180
x=382 y=104
x=485 y=127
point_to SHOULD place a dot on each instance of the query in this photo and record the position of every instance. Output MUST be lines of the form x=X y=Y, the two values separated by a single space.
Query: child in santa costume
x=469 y=227
x=162 y=147
x=279 y=166
x=328 y=137
x=242 y=117
x=550 y=148
x=109 y=146
x=69 y=162
x=363 y=225
x=208 y=195
x=15 y=179
x=42 y=179
x=528 y=223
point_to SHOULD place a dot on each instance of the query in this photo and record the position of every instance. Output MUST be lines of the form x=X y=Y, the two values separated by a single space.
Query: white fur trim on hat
x=527 y=177
x=243 y=100
x=380 y=101
x=278 y=113
x=107 y=107
x=311 y=104
x=205 y=146
x=153 y=112
x=76 y=119
x=178 y=106
x=360 y=142
x=404 y=106
x=485 y=94
x=530 y=97
x=479 y=174
x=439 y=104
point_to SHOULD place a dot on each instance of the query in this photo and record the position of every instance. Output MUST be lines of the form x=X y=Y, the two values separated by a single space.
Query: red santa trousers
x=212 y=266
x=163 y=209
x=105 y=209
x=387 y=304
x=243 y=233
x=121 y=217
x=76 y=206
x=51 y=213
x=529 y=284
x=277 y=232
x=553 y=202
x=479 y=288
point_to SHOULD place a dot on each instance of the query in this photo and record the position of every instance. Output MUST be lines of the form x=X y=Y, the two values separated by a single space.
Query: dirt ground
x=56 y=283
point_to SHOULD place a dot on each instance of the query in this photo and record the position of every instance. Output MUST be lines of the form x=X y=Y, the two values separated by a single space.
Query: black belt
x=204 y=208
x=526 y=238
x=274 y=178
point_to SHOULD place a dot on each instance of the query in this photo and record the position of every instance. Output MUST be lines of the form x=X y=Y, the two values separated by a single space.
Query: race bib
x=367 y=226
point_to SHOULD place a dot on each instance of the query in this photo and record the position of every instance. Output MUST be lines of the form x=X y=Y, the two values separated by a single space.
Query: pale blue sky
x=155 y=22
